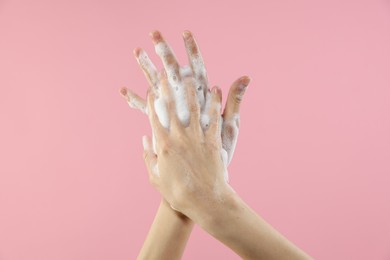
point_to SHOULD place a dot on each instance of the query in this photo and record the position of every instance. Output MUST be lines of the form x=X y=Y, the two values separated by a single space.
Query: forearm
x=236 y=225
x=167 y=236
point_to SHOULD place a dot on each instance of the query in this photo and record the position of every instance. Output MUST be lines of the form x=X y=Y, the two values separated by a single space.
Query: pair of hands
x=187 y=161
x=191 y=150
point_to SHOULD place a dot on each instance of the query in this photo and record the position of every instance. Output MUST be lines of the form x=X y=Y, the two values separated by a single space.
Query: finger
x=231 y=116
x=229 y=136
x=158 y=128
x=193 y=104
x=133 y=99
x=167 y=93
x=214 y=129
x=234 y=99
x=204 y=116
x=197 y=65
x=150 y=157
x=147 y=67
x=168 y=58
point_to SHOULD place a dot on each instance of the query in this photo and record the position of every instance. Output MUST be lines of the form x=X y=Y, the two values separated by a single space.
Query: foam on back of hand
x=229 y=135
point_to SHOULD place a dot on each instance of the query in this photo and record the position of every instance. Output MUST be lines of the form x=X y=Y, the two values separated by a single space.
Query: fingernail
x=244 y=82
x=186 y=34
x=156 y=36
x=123 y=91
x=136 y=51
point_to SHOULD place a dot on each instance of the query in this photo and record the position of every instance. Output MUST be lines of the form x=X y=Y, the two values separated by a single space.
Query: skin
x=168 y=234
x=187 y=170
x=171 y=229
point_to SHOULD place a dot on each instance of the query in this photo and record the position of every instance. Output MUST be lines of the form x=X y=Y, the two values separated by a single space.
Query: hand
x=188 y=171
x=196 y=69
x=188 y=168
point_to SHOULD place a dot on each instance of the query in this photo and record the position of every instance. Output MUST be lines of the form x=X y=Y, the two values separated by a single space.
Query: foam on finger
x=185 y=71
x=229 y=129
x=161 y=111
x=135 y=102
x=175 y=76
x=163 y=50
x=148 y=66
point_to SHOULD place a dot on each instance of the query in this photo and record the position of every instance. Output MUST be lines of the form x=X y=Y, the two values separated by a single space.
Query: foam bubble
x=182 y=109
x=161 y=48
x=226 y=158
x=198 y=66
x=147 y=64
x=135 y=103
x=185 y=71
x=161 y=111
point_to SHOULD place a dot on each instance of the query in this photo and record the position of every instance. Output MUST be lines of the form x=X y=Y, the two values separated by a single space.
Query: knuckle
x=169 y=59
x=194 y=108
x=211 y=146
x=165 y=148
x=237 y=98
x=189 y=81
x=194 y=49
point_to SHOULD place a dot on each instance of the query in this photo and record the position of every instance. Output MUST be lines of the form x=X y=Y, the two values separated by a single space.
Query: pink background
x=313 y=157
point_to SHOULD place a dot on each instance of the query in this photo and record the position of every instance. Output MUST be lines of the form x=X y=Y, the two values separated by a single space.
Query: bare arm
x=237 y=226
x=167 y=236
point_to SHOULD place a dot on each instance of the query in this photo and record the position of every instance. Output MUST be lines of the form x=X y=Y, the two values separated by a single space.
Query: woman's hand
x=196 y=69
x=188 y=169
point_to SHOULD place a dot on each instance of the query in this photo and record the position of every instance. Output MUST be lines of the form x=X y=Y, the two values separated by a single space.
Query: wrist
x=218 y=213
x=176 y=215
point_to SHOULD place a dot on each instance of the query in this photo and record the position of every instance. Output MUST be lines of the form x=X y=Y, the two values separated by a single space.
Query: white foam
x=162 y=49
x=148 y=65
x=182 y=109
x=161 y=111
x=198 y=66
x=185 y=71
x=135 y=103
x=224 y=157
x=204 y=98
